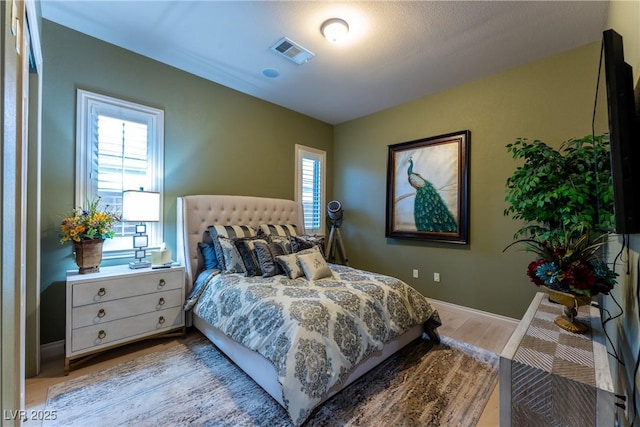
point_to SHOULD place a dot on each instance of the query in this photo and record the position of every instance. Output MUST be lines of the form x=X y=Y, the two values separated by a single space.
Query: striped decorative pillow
x=285 y=230
x=228 y=231
x=231 y=231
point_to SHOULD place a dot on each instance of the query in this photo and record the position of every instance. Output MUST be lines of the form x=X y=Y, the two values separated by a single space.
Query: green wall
x=217 y=141
x=551 y=99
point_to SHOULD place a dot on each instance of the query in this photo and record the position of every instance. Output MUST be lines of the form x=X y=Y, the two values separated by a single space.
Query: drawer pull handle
x=102 y=292
x=161 y=283
x=101 y=313
x=102 y=334
x=161 y=301
x=161 y=320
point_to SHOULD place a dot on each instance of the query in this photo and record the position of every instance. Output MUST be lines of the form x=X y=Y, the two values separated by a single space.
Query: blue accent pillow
x=208 y=255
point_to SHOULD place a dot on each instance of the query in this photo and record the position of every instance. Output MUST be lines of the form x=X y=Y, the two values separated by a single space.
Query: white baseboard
x=52 y=351
x=475 y=311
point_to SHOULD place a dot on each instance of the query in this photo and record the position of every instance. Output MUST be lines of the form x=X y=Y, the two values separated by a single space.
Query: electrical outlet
x=415 y=273
x=436 y=277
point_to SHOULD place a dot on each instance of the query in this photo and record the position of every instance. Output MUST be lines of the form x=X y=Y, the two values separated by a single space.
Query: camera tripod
x=335 y=248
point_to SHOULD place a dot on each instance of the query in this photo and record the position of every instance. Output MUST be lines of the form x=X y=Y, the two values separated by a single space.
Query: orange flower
x=87 y=224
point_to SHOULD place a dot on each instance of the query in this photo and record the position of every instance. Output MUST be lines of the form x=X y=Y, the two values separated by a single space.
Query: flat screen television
x=624 y=132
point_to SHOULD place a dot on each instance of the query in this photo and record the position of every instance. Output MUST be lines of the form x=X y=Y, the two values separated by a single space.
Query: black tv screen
x=623 y=135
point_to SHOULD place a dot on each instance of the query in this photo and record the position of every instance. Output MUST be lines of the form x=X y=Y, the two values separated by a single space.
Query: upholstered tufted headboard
x=196 y=213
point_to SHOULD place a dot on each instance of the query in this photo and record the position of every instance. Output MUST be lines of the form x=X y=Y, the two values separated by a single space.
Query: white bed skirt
x=264 y=373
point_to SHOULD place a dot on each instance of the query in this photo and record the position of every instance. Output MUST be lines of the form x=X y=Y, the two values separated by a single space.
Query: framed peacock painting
x=427 y=189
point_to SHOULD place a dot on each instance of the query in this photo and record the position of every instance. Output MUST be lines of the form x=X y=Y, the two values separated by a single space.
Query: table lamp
x=140 y=206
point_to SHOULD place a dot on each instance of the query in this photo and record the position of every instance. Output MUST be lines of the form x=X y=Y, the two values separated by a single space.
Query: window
x=310 y=187
x=119 y=146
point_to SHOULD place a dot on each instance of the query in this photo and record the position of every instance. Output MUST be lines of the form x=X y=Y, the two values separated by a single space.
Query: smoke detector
x=292 y=51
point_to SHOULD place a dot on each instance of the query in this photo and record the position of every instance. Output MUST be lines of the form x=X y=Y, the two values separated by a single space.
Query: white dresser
x=118 y=305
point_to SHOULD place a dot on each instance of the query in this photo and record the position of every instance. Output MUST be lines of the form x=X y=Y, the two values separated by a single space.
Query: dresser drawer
x=91 y=292
x=108 y=311
x=96 y=336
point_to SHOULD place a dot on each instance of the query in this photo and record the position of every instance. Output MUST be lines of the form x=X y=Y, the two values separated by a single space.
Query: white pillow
x=314 y=265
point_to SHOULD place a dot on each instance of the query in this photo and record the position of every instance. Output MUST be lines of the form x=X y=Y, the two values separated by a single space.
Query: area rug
x=193 y=383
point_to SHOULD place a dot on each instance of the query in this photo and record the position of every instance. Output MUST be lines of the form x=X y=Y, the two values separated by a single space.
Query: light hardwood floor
x=484 y=331
x=476 y=328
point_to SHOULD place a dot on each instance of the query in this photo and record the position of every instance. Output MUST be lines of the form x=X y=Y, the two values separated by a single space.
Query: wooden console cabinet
x=551 y=377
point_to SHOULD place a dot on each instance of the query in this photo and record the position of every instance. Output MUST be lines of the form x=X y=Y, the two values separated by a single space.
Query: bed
x=288 y=377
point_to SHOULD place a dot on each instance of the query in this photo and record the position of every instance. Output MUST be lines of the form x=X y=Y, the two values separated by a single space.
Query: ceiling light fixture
x=335 y=29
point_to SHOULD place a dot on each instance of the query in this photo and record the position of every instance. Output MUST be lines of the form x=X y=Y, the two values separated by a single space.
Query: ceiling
x=396 y=51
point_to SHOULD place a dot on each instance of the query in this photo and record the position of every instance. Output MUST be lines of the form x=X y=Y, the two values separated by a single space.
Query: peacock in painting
x=430 y=212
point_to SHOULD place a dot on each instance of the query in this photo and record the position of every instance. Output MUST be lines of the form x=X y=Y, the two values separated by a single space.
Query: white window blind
x=310 y=187
x=120 y=147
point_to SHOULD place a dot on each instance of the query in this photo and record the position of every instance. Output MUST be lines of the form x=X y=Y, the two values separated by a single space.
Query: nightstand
x=118 y=305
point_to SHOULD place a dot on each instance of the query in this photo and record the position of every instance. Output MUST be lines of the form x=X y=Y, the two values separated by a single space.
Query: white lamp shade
x=140 y=206
x=335 y=30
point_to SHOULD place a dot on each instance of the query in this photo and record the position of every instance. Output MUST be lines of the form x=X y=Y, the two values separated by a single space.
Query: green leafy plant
x=565 y=196
x=569 y=188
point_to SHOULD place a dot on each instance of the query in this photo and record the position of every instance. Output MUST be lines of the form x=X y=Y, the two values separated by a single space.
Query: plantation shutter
x=121 y=157
x=310 y=187
x=311 y=194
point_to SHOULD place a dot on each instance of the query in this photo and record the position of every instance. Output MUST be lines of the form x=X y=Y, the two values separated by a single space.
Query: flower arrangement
x=570 y=264
x=88 y=224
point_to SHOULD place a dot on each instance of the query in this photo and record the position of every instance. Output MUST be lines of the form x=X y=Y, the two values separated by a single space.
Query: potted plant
x=87 y=229
x=565 y=197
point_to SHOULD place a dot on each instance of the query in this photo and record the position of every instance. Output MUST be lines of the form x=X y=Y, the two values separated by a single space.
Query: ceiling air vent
x=292 y=51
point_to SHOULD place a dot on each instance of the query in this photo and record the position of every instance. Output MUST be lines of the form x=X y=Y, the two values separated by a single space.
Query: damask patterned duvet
x=314 y=332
